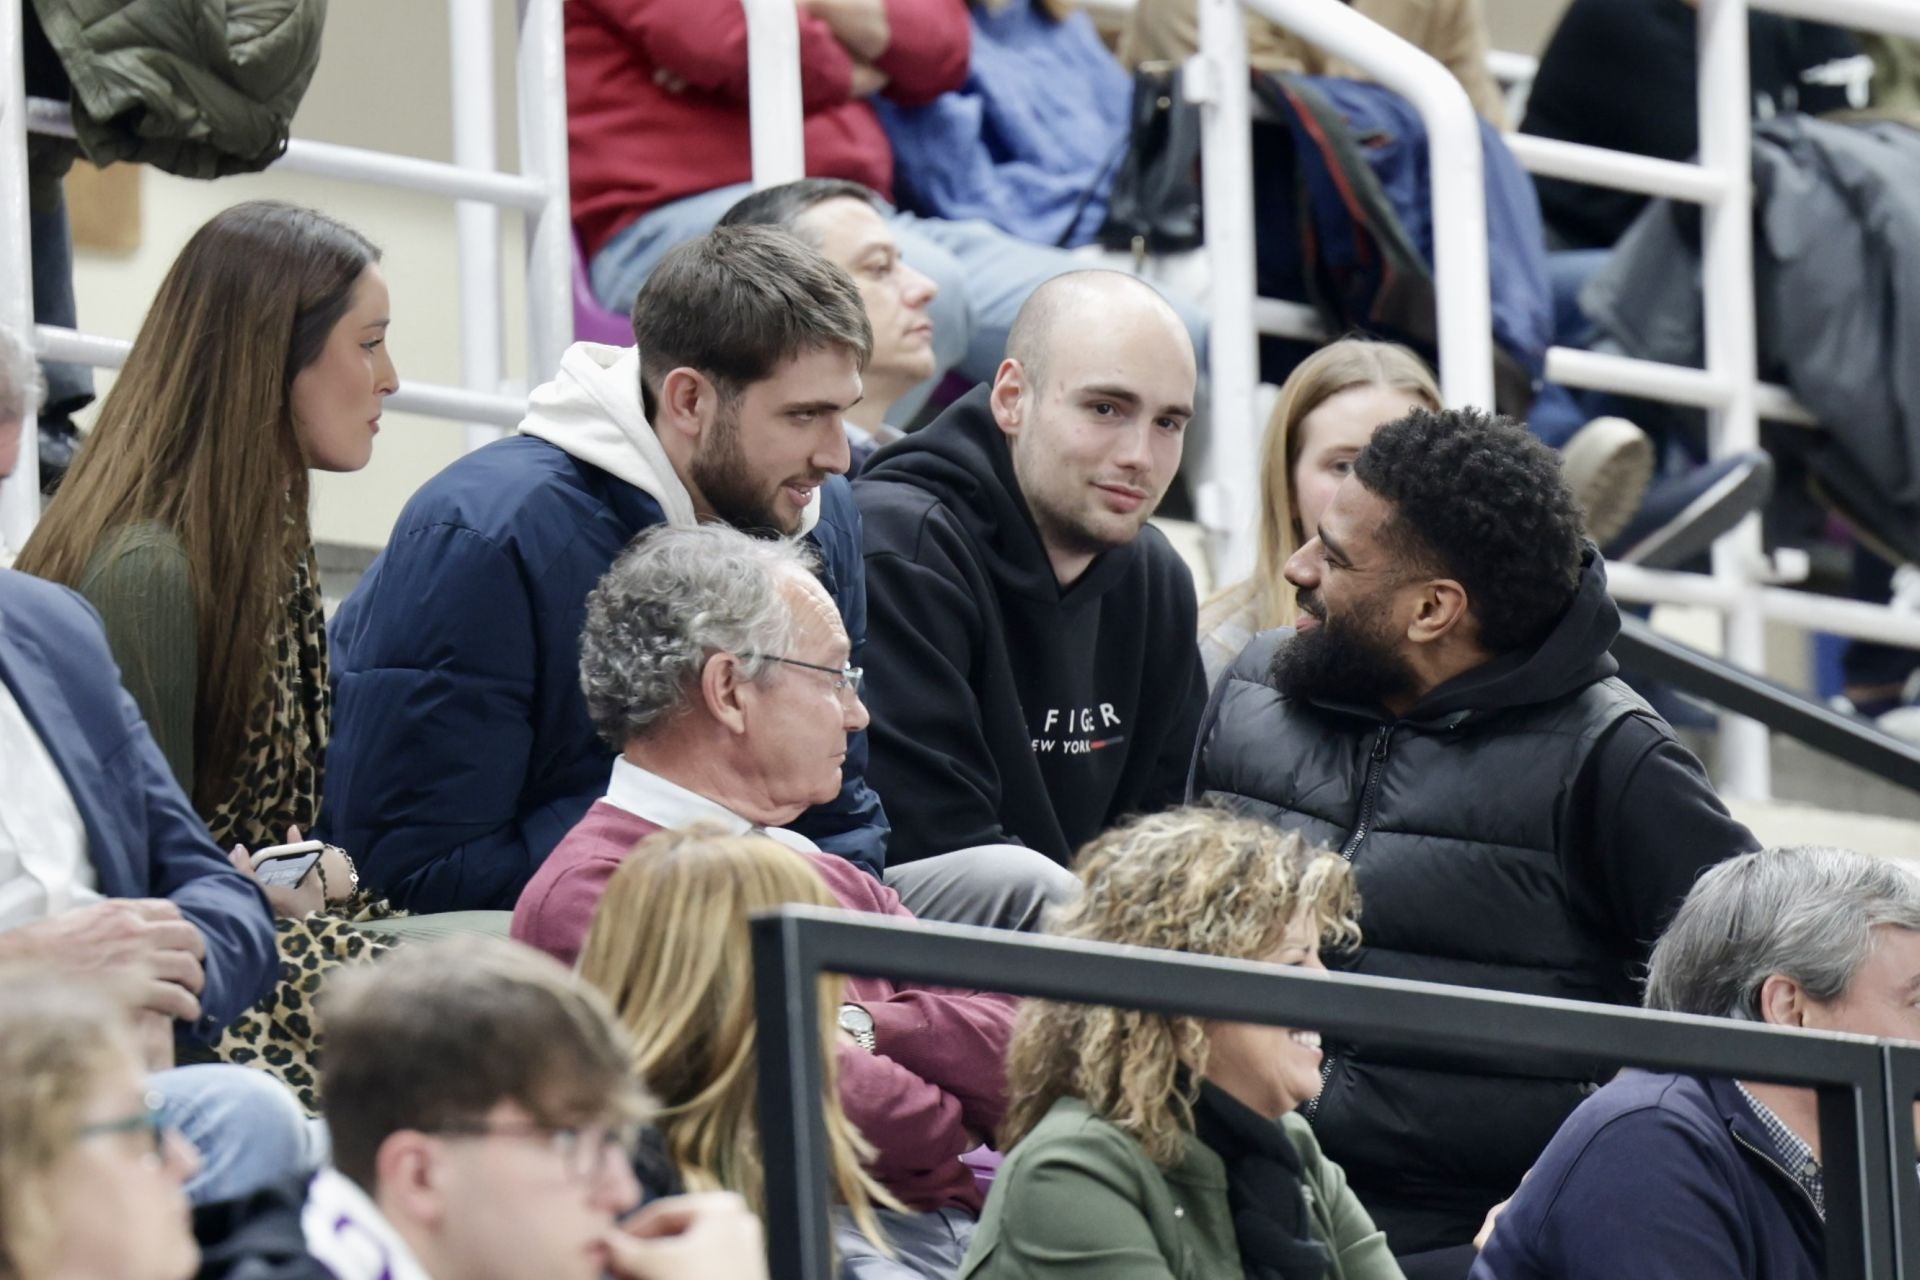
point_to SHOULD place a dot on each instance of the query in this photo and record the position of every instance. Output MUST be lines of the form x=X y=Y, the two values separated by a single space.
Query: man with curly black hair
x=1446 y=714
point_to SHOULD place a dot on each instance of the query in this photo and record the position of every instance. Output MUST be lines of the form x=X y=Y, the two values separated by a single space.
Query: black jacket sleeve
x=1657 y=824
x=929 y=757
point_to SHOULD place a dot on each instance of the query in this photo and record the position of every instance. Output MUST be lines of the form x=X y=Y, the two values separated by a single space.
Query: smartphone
x=287 y=865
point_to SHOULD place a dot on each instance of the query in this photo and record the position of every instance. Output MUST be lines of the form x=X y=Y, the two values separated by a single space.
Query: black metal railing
x=1865 y=1131
x=1647 y=652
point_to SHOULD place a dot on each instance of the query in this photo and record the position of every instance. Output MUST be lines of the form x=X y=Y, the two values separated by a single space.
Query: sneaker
x=1683 y=514
x=1608 y=464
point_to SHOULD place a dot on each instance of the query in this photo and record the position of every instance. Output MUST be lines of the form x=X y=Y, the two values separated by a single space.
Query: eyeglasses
x=844 y=678
x=147 y=1121
x=584 y=1151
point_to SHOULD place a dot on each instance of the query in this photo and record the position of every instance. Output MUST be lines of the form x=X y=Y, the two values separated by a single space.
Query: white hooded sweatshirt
x=592 y=410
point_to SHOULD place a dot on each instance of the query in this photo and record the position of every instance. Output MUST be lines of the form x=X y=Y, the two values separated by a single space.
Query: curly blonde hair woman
x=1143 y=1144
x=1329 y=408
x=90 y=1183
x=669 y=946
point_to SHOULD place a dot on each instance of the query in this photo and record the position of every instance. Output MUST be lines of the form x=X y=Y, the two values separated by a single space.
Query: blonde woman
x=669 y=947
x=1144 y=1145
x=1328 y=409
x=91 y=1183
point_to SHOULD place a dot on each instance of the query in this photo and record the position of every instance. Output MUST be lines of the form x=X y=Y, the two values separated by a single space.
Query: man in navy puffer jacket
x=462 y=751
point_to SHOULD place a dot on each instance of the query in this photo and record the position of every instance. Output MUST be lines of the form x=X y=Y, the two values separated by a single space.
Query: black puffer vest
x=1456 y=820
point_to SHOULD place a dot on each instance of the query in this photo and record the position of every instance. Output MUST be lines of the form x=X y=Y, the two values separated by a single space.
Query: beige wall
x=384 y=82
x=1522 y=26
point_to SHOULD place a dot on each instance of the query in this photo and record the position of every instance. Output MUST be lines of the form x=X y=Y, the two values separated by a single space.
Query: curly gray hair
x=21 y=386
x=674 y=597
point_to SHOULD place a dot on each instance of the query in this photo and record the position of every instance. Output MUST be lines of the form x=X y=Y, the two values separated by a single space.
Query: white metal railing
x=538 y=191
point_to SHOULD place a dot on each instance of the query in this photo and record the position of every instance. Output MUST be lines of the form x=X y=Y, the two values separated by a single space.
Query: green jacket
x=1080 y=1198
x=201 y=88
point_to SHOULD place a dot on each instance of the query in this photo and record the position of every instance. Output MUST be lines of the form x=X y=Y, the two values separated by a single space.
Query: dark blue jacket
x=1658 y=1177
x=461 y=746
x=143 y=835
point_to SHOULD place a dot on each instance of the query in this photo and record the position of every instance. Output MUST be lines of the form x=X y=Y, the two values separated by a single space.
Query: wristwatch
x=858 y=1023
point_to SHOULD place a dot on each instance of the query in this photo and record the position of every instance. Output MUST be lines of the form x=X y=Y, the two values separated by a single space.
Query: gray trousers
x=926 y=1246
x=995 y=886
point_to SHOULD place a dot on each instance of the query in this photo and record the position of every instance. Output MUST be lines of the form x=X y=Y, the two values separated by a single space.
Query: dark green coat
x=1079 y=1198
x=201 y=88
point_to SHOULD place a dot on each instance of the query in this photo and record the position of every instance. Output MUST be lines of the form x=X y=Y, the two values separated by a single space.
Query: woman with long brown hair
x=1329 y=408
x=1142 y=1144
x=669 y=946
x=184 y=522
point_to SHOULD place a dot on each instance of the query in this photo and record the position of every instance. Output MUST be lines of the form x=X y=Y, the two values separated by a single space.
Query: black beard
x=1342 y=663
x=720 y=470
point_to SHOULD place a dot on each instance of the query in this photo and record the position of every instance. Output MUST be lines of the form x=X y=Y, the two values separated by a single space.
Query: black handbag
x=1155 y=203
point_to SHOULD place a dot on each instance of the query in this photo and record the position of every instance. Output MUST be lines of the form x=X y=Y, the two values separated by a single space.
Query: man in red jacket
x=657 y=124
x=719 y=666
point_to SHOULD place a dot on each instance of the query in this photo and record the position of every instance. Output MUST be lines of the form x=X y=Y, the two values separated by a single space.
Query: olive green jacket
x=1079 y=1198
x=201 y=88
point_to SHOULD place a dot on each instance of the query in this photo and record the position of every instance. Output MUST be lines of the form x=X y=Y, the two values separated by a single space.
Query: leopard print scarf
x=277 y=782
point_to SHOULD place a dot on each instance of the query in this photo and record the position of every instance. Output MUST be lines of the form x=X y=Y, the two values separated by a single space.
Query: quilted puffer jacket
x=200 y=88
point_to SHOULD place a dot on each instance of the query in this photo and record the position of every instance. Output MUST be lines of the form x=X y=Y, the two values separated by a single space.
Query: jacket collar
x=1750 y=1135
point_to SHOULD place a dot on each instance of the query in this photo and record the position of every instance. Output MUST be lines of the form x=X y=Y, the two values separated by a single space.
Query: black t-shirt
x=1623 y=74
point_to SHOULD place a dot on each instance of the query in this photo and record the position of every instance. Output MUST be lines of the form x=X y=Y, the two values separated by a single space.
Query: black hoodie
x=1528 y=826
x=1005 y=709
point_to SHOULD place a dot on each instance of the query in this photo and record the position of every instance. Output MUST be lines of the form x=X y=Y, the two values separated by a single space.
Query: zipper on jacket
x=1369 y=791
x=1773 y=1162
x=1312 y=1108
x=1369 y=795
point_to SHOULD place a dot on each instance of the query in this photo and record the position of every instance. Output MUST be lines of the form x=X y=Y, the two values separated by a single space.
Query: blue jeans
x=984 y=276
x=1559 y=411
x=246 y=1125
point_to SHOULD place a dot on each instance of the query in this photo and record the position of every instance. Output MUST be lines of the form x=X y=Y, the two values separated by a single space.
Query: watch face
x=855 y=1019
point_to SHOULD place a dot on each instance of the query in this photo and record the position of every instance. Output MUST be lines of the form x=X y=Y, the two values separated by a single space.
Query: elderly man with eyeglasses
x=718 y=667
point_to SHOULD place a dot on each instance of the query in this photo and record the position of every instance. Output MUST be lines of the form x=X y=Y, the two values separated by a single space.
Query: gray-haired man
x=717 y=666
x=1703 y=1178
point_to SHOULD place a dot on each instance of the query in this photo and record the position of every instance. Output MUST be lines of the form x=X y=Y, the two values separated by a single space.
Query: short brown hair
x=438 y=1034
x=739 y=300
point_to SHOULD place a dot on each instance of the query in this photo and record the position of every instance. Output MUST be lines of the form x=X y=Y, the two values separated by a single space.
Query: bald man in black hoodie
x=1032 y=670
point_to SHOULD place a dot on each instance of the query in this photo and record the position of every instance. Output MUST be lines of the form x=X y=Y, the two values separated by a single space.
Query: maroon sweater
x=936 y=1083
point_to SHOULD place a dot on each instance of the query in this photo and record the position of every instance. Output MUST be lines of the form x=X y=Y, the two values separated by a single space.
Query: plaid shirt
x=1796 y=1157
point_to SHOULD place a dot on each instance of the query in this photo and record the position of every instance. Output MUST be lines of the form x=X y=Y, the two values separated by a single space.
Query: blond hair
x=1195 y=880
x=59 y=1037
x=669 y=946
x=1337 y=367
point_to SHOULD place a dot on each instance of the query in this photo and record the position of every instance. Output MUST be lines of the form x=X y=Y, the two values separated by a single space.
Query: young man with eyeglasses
x=484 y=1121
x=718 y=665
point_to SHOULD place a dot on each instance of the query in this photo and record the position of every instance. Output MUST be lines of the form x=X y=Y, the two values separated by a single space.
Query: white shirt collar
x=646 y=794
x=348 y=1234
